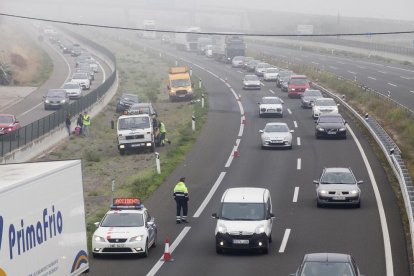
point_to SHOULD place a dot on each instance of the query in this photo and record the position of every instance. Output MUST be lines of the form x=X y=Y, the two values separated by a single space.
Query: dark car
x=56 y=99
x=285 y=74
x=329 y=264
x=309 y=97
x=251 y=65
x=330 y=126
x=125 y=102
x=8 y=124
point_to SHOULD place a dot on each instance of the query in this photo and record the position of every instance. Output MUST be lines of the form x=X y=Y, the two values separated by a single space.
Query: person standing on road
x=163 y=134
x=181 y=199
x=68 y=122
x=79 y=123
x=86 y=123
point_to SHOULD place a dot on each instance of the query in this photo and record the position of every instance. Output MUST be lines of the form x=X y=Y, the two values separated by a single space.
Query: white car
x=127 y=228
x=271 y=106
x=270 y=74
x=276 y=135
x=73 y=90
x=324 y=106
x=82 y=79
x=237 y=61
x=260 y=68
x=251 y=82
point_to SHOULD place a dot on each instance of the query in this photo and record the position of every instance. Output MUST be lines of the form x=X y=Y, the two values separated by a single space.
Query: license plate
x=241 y=241
x=116 y=245
x=331 y=132
x=338 y=198
x=135 y=145
x=271 y=110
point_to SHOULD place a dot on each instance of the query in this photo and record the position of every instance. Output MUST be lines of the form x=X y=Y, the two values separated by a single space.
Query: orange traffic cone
x=243 y=120
x=167 y=254
x=235 y=151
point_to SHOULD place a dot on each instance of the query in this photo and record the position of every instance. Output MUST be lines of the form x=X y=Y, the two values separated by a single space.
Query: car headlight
x=222 y=228
x=321 y=129
x=137 y=238
x=354 y=192
x=342 y=129
x=98 y=238
x=305 y=100
x=259 y=229
x=63 y=101
x=323 y=192
x=292 y=89
x=47 y=101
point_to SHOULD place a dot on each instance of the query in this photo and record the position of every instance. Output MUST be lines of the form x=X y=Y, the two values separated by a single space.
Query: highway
x=299 y=226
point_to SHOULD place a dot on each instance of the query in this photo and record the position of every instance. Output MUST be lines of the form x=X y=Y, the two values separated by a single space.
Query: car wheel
x=95 y=255
x=260 y=115
x=154 y=244
x=318 y=204
x=358 y=205
x=219 y=250
x=121 y=152
x=270 y=238
x=290 y=147
x=344 y=137
x=263 y=147
x=265 y=249
x=145 y=253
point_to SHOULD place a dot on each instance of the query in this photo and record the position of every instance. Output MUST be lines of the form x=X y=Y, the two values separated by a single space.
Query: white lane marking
x=315 y=62
x=412 y=91
x=289 y=111
x=241 y=130
x=372 y=78
x=383 y=219
x=383 y=72
x=340 y=62
x=298 y=141
x=176 y=242
x=241 y=107
x=392 y=84
x=235 y=147
x=262 y=84
x=271 y=91
x=296 y=194
x=284 y=241
x=295 y=124
x=351 y=72
x=31 y=109
x=407 y=78
x=362 y=67
x=333 y=67
x=240 y=72
x=209 y=195
x=299 y=164
x=399 y=68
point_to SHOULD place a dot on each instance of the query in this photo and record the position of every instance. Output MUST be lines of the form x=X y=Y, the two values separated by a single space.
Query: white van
x=244 y=220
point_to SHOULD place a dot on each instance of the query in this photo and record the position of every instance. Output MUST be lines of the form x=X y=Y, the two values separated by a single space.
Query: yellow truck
x=179 y=84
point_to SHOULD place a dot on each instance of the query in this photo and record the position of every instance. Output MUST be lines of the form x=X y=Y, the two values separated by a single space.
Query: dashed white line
x=407 y=78
x=284 y=241
x=296 y=194
x=298 y=141
x=340 y=62
x=262 y=84
x=333 y=67
x=209 y=195
x=295 y=124
x=362 y=67
x=392 y=84
x=176 y=242
x=383 y=72
x=299 y=164
x=351 y=72
x=372 y=78
x=315 y=62
x=290 y=111
x=271 y=91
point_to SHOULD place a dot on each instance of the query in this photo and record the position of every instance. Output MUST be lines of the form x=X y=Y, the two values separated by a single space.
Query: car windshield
x=123 y=220
x=283 y=74
x=297 y=81
x=330 y=119
x=139 y=110
x=56 y=93
x=133 y=123
x=180 y=83
x=251 y=78
x=326 y=269
x=327 y=102
x=271 y=101
x=242 y=211
x=338 y=178
x=276 y=128
x=312 y=93
x=6 y=119
x=271 y=70
x=71 y=86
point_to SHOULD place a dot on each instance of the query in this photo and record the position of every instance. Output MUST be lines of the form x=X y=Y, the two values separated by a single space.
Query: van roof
x=244 y=194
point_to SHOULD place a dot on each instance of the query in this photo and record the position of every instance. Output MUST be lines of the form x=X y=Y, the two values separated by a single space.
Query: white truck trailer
x=42 y=219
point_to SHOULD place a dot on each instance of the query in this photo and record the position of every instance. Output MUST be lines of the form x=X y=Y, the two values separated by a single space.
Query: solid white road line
x=271 y=91
x=284 y=241
x=299 y=164
x=262 y=84
x=295 y=124
x=392 y=84
x=351 y=72
x=209 y=195
x=383 y=218
x=296 y=194
x=372 y=78
x=298 y=141
x=290 y=111
x=176 y=242
x=236 y=147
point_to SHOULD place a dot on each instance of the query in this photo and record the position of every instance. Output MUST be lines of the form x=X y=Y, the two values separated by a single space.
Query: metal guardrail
x=33 y=131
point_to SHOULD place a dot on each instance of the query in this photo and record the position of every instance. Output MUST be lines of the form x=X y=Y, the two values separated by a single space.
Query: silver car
x=338 y=186
x=271 y=106
x=251 y=82
x=309 y=97
x=276 y=135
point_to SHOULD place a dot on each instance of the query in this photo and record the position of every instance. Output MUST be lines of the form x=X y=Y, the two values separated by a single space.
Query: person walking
x=79 y=123
x=68 y=122
x=86 y=123
x=163 y=134
x=181 y=199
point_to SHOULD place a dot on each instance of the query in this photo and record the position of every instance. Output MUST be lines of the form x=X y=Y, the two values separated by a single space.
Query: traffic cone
x=167 y=254
x=243 y=120
x=235 y=151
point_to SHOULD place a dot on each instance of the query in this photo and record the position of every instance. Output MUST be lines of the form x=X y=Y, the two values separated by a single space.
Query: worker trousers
x=182 y=204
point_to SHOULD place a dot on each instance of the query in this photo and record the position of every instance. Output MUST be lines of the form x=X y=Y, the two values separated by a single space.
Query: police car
x=127 y=228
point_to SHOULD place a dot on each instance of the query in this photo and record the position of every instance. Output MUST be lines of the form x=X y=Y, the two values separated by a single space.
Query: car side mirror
x=261 y=131
x=214 y=215
x=292 y=130
x=96 y=224
x=312 y=104
x=360 y=182
x=316 y=182
x=337 y=104
x=345 y=122
x=150 y=223
x=271 y=215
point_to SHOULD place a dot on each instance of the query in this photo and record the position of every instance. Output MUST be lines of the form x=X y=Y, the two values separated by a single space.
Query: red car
x=297 y=86
x=8 y=124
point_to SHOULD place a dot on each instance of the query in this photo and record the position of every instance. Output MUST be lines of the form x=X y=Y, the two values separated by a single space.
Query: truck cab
x=179 y=84
x=135 y=132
